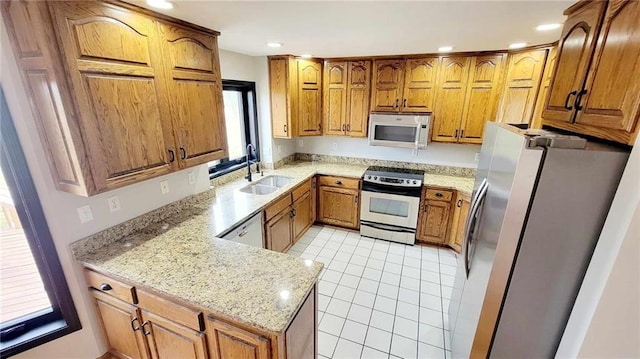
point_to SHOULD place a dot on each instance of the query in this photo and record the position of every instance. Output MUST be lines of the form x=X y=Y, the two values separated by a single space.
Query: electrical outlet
x=334 y=146
x=477 y=156
x=114 y=204
x=192 y=178
x=300 y=143
x=85 y=214
x=164 y=187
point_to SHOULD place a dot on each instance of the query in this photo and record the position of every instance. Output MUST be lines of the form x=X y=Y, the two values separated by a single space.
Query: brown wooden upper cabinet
x=404 y=85
x=598 y=72
x=296 y=96
x=521 y=85
x=467 y=96
x=118 y=95
x=347 y=89
x=543 y=90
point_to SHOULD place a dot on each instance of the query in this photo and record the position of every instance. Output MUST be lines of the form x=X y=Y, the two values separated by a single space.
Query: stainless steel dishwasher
x=249 y=232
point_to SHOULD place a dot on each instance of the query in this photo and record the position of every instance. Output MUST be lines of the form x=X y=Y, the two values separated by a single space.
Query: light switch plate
x=85 y=214
x=164 y=187
x=114 y=204
x=192 y=178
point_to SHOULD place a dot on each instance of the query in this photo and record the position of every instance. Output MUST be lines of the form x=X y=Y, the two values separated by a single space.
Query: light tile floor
x=379 y=299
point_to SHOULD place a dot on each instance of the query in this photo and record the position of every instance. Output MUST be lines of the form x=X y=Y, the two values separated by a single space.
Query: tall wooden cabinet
x=404 y=85
x=296 y=96
x=347 y=90
x=543 y=91
x=106 y=111
x=467 y=97
x=604 y=98
x=521 y=86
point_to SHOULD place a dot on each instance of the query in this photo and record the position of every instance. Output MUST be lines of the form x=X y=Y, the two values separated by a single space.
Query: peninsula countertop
x=180 y=256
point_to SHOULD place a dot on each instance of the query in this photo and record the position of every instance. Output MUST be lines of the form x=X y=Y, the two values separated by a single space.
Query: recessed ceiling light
x=547 y=27
x=306 y=56
x=445 y=48
x=160 y=4
x=274 y=44
x=517 y=45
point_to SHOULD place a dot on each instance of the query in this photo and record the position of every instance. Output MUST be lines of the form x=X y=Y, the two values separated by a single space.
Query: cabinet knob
x=105 y=286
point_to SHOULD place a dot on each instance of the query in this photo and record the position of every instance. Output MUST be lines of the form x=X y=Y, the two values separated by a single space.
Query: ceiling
x=359 y=28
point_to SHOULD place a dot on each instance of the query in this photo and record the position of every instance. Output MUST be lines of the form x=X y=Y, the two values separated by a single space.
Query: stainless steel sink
x=258 y=189
x=274 y=181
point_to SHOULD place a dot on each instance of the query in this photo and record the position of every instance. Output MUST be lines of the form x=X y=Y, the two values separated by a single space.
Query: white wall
x=62 y=218
x=436 y=153
x=605 y=320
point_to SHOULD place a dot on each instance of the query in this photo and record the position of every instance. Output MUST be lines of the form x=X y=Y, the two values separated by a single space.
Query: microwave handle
x=419 y=134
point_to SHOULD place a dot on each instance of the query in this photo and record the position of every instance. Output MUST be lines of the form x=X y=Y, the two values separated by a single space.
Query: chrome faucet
x=248 y=176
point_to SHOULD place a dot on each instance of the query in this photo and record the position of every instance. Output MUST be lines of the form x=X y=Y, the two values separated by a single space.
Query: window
x=241 y=123
x=35 y=303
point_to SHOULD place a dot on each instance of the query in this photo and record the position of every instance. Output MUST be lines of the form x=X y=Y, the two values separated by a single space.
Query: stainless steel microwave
x=393 y=130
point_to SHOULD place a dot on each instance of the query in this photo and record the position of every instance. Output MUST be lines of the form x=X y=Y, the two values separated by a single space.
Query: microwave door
x=394 y=135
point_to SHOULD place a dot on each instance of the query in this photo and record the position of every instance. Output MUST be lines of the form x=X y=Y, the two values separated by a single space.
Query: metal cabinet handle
x=349 y=128
x=183 y=151
x=105 y=286
x=396 y=106
x=439 y=195
x=456 y=134
x=579 y=99
x=459 y=204
x=172 y=155
x=243 y=233
x=355 y=199
x=344 y=127
x=285 y=128
x=404 y=103
x=566 y=101
x=462 y=133
x=145 y=331
x=339 y=182
x=295 y=213
x=291 y=215
x=135 y=329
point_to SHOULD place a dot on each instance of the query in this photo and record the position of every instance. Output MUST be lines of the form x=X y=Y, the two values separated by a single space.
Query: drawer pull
x=243 y=233
x=439 y=195
x=135 y=328
x=339 y=182
x=105 y=286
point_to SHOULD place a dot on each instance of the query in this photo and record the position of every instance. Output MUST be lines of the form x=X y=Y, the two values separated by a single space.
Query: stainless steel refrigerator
x=539 y=203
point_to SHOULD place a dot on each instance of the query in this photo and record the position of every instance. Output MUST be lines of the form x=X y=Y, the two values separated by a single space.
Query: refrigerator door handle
x=471 y=222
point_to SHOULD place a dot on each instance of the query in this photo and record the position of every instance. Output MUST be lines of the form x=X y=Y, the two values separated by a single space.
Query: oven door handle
x=394 y=192
x=385 y=227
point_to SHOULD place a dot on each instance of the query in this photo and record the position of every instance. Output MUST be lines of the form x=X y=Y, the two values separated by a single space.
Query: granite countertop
x=181 y=257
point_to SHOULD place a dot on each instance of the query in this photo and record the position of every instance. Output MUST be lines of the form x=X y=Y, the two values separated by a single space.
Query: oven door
x=390 y=209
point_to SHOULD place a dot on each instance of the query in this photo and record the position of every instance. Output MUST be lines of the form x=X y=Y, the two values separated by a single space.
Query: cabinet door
x=612 y=92
x=309 y=100
x=358 y=95
x=279 y=231
x=195 y=94
x=229 y=342
x=420 y=84
x=387 y=85
x=302 y=215
x=335 y=98
x=115 y=67
x=279 y=92
x=536 y=122
x=482 y=97
x=452 y=86
x=121 y=325
x=338 y=206
x=171 y=340
x=433 y=221
x=574 y=53
x=524 y=71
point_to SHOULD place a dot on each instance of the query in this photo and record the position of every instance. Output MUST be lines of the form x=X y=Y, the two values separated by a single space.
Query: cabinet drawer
x=301 y=189
x=177 y=313
x=339 y=182
x=110 y=286
x=277 y=207
x=438 y=194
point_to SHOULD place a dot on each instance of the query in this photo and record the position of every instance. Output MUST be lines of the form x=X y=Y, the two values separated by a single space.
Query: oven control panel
x=393 y=181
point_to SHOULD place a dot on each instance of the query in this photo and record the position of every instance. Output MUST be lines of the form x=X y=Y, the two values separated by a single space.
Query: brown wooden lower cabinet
x=289 y=217
x=459 y=222
x=175 y=331
x=434 y=216
x=301 y=215
x=339 y=201
x=279 y=231
x=227 y=341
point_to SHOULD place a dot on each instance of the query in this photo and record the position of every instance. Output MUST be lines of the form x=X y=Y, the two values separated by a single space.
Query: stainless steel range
x=390 y=203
